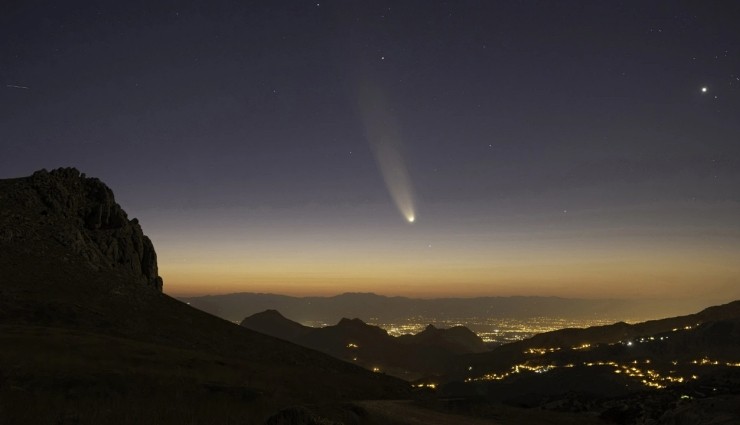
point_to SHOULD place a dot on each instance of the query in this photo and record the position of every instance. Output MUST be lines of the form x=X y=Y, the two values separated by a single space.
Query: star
x=704 y=89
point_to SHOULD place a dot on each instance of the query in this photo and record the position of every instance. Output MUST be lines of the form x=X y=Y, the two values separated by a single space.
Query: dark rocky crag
x=88 y=336
x=85 y=220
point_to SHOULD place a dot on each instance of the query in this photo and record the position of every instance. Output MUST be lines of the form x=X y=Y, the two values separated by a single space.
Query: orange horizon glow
x=633 y=277
x=586 y=256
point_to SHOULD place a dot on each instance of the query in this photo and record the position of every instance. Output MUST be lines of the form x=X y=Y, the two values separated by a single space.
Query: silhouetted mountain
x=377 y=308
x=623 y=331
x=564 y=340
x=88 y=337
x=457 y=339
x=271 y=322
x=408 y=356
x=614 y=370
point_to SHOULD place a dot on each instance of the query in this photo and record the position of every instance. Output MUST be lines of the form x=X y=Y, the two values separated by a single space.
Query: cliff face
x=79 y=213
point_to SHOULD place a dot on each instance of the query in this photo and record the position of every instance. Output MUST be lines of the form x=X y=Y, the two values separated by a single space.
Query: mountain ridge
x=569 y=339
x=87 y=332
x=407 y=356
x=374 y=307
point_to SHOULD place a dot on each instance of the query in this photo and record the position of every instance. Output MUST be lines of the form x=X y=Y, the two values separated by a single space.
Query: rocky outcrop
x=81 y=214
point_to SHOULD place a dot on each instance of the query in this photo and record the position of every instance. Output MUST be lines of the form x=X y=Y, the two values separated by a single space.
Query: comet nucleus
x=384 y=138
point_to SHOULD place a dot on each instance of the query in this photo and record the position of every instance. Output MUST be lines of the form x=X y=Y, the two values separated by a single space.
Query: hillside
x=408 y=356
x=88 y=336
x=667 y=371
x=567 y=342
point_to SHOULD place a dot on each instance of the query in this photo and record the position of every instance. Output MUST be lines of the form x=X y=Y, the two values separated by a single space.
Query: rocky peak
x=272 y=313
x=81 y=214
x=351 y=323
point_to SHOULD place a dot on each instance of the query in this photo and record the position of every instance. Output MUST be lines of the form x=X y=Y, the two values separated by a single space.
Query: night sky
x=578 y=149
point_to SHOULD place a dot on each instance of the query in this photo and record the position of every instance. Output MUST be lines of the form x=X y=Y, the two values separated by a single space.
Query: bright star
x=703 y=89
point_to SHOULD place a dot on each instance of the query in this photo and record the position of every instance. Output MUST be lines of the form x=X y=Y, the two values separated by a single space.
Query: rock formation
x=83 y=217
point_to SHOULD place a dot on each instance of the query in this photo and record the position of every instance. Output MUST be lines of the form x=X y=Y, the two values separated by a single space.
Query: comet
x=385 y=139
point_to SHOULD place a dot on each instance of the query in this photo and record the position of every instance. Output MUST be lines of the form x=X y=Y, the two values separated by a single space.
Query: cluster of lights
x=352 y=345
x=688 y=327
x=492 y=329
x=652 y=338
x=709 y=362
x=510 y=330
x=427 y=385
x=401 y=329
x=514 y=369
x=541 y=351
x=581 y=347
x=648 y=377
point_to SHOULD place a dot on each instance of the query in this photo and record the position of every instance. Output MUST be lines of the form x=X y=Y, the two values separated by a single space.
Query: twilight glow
x=531 y=148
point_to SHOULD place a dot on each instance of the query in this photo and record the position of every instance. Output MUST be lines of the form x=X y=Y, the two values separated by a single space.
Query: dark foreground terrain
x=88 y=337
x=409 y=357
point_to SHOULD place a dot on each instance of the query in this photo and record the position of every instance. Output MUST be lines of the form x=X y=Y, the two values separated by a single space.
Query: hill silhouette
x=408 y=356
x=88 y=336
x=562 y=342
x=671 y=368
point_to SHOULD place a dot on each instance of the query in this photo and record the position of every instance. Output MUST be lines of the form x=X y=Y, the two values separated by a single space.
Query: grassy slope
x=82 y=344
x=95 y=350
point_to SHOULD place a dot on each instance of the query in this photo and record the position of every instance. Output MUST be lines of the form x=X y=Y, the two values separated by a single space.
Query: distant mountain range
x=378 y=308
x=603 y=370
x=457 y=354
x=409 y=356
